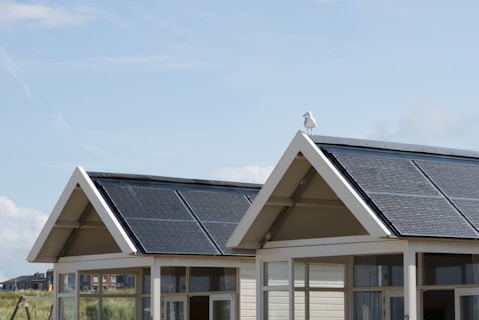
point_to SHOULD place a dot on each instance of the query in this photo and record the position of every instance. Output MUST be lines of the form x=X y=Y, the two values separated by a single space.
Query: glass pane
x=276 y=273
x=118 y=309
x=119 y=283
x=323 y=275
x=67 y=282
x=326 y=305
x=212 y=279
x=174 y=310
x=173 y=279
x=299 y=274
x=89 y=283
x=450 y=269
x=146 y=308
x=299 y=305
x=146 y=281
x=378 y=271
x=396 y=308
x=89 y=308
x=469 y=307
x=221 y=310
x=66 y=308
x=277 y=305
x=367 y=305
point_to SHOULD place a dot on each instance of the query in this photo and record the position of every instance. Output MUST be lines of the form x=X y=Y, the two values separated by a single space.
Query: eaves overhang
x=45 y=250
x=253 y=229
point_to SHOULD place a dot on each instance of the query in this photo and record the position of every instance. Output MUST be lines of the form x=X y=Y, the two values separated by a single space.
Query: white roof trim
x=81 y=178
x=353 y=201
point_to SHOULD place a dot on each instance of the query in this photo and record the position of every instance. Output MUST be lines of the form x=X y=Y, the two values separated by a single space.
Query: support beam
x=410 y=289
x=278 y=222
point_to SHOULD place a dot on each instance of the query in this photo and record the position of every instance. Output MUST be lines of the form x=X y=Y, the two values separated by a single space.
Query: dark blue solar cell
x=470 y=208
x=456 y=179
x=163 y=236
x=221 y=206
x=388 y=174
x=423 y=216
x=221 y=233
x=146 y=201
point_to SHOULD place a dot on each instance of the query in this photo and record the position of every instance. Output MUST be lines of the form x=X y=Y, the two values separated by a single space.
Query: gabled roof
x=348 y=187
x=101 y=213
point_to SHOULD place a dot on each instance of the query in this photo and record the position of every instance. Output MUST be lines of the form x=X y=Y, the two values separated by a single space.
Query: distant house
x=148 y=247
x=357 y=229
x=37 y=281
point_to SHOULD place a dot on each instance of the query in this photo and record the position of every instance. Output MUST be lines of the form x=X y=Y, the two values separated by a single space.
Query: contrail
x=10 y=66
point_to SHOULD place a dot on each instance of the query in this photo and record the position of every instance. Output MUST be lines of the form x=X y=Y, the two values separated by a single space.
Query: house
x=354 y=229
x=146 y=247
x=37 y=281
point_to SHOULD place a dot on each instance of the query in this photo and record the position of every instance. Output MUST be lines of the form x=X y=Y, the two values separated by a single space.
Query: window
x=450 y=269
x=113 y=298
x=173 y=279
x=378 y=271
x=212 y=279
x=276 y=289
x=66 y=295
x=319 y=290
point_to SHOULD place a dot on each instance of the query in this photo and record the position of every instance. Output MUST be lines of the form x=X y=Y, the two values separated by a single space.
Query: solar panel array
x=177 y=218
x=425 y=195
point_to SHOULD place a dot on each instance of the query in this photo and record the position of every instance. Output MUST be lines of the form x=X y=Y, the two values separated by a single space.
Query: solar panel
x=163 y=236
x=404 y=188
x=470 y=208
x=169 y=217
x=455 y=179
x=421 y=216
x=221 y=233
x=389 y=174
x=146 y=201
x=221 y=206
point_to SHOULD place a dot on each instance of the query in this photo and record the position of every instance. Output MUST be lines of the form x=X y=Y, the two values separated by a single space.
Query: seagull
x=309 y=122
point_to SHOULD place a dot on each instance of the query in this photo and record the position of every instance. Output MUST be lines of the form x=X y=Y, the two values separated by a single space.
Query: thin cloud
x=431 y=124
x=14 y=12
x=18 y=231
x=135 y=59
x=253 y=174
x=9 y=65
x=156 y=60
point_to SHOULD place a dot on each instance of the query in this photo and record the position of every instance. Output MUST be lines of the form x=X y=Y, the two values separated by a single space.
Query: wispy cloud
x=253 y=174
x=431 y=124
x=157 y=60
x=14 y=12
x=9 y=65
x=135 y=59
x=18 y=231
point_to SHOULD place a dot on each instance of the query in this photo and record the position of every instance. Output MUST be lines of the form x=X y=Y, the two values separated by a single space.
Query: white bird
x=309 y=122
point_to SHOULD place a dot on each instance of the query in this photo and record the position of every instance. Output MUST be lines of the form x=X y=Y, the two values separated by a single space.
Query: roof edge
x=219 y=183
x=394 y=146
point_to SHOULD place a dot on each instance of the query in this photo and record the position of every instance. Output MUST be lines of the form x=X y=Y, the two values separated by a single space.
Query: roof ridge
x=154 y=178
x=394 y=146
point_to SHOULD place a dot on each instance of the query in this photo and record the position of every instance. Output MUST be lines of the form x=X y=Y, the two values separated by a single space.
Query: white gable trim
x=353 y=201
x=81 y=179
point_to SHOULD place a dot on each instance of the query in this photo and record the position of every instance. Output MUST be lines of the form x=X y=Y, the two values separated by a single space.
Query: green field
x=39 y=309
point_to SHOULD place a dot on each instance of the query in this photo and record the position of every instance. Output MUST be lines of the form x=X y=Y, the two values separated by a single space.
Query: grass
x=39 y=309
x=114 y=308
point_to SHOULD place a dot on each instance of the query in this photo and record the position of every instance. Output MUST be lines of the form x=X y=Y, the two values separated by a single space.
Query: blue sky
x=216 y=89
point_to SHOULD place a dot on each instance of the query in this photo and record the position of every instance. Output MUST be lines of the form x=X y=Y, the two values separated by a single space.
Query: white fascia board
x=295 y=147
x=105 y=213
x=57 y=210
x=352 y=200
x=303 y=143
x=236 y=239
x=81 y=178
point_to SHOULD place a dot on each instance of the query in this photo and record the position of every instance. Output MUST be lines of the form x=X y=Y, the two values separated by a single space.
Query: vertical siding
x=247 y=303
